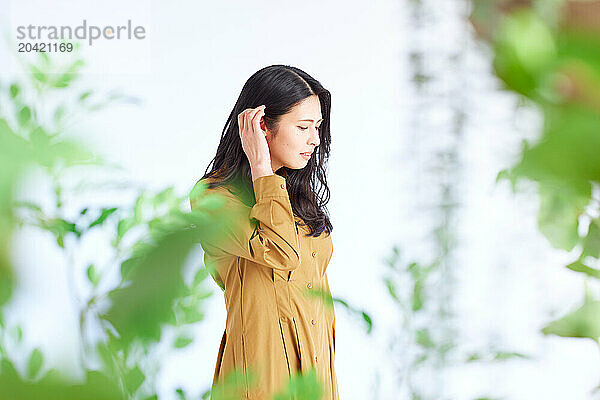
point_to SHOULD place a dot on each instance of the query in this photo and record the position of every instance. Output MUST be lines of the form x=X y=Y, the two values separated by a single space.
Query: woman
x=271 y=260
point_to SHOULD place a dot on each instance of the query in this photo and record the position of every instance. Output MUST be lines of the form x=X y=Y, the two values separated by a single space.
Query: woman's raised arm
x=273 y=243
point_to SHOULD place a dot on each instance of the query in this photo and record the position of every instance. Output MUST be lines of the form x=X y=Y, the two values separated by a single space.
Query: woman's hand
x=254 y=142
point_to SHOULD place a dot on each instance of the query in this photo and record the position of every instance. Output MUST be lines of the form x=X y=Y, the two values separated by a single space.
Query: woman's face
x=297 y=133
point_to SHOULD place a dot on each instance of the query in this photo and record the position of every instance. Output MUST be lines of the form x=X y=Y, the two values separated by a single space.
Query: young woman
x=271 y=261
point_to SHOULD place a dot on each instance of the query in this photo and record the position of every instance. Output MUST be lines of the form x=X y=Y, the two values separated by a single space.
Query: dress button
x=312 y=321
x=282 y=319
x=309 y=285
x=282 y=186
x=314 y=253
x=316 y=359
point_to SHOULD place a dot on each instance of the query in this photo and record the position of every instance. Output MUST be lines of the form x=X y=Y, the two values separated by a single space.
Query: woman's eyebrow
x=311 y=120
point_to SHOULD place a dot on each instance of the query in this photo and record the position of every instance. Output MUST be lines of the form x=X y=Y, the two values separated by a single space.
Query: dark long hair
x=279 y=88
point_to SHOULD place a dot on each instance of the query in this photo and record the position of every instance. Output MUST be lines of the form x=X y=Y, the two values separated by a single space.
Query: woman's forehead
x=307 y=109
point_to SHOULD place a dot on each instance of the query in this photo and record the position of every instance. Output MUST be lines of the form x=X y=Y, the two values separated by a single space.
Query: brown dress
x=275 y=328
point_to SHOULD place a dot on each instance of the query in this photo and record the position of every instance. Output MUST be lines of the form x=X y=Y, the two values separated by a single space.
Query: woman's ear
x=263 y=126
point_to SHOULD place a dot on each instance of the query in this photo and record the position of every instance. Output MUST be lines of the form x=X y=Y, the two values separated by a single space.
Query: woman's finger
x=251 y=116
x=243 y=125
x=256 y=120
x=246 y=122
x=240 y=123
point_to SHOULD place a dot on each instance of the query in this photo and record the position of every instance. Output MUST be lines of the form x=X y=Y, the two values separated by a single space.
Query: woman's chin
x=302 y=165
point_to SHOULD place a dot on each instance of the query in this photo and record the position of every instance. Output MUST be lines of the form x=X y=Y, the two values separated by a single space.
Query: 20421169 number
x=26 y=47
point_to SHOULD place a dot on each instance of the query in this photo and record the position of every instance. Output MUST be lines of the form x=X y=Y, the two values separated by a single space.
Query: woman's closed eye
x=306 y=127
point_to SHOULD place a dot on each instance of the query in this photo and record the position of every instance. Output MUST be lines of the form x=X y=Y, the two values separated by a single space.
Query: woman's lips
x=306 y=155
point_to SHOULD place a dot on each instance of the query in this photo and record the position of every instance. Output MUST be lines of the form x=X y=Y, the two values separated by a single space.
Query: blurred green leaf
x=14 y=90
x=417 y=295
x=302 y=387
x=53 y=386
x=140 y=203
x=529 y=38
x=59 y=113
x=37 y=74
x=505 y=355
x=64 y=79
x=140 y=309
x=166 y=195
x=473 y=357
x=200 y=276
x=367 y=318
x=83 y=96
x=182 y=341
x=123 y=227
x=584 y=322
x=565 y=159
x=24 y=116
x=106 y=212
x=92 y=275
x=197 y=191
x=59 y=227
x=392 y=260
x=415 y=270
x=34 y=365
x=134 y=379
x=209 y=202
x=29 y=205
x=39 y=138
x=579 y=266
x=232 y=386
x=423 y=338
x=591 y=243
x=106 y=355
x=391 y=287
x=558 y=217
x=17 y=333
x=191 y=314
x=508 y=175
x=70 y=152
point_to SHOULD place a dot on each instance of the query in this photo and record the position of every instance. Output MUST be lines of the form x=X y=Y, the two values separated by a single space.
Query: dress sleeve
x=273 y=242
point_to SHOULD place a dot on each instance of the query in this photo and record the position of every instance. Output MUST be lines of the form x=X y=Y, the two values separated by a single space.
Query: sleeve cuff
x=269 y=186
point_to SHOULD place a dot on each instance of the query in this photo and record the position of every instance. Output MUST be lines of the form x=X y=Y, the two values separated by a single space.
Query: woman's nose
x=314 y=139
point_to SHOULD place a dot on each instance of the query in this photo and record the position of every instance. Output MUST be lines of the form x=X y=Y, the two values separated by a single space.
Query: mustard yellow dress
x=275 y=328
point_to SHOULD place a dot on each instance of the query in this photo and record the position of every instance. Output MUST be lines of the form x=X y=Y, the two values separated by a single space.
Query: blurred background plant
x=427 y=343
x=548 y=53
x=150 y=239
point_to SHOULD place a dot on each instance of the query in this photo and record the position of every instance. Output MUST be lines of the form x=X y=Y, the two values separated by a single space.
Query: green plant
x=548 y=52
x=149 y=241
